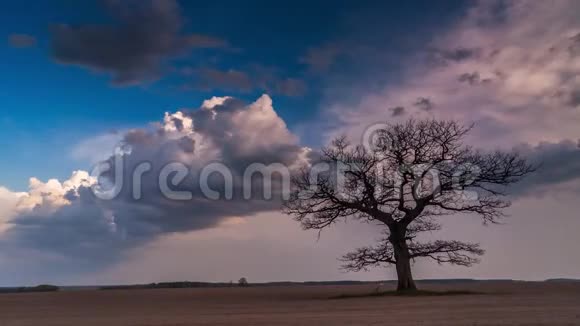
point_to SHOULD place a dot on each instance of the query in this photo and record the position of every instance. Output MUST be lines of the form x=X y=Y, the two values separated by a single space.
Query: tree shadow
x=415 y=293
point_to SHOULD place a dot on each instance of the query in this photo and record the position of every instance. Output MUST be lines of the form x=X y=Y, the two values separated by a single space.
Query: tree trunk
x=404 y=275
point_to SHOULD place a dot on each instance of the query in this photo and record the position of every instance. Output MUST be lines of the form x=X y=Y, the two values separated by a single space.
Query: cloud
x=8 y=202
x=96 y=149
x=134 y=50
x=320 y=59
x=449 y=56
x=501 y=68
x=397 y=111
x=21 y=40
x=424 y=104
x=229 y=80
x=505 y=68
x=46 y=197
x=472 y=79
x=204 y=41
x=215 y=101
x=66 y=218
x=558 y=169
x=258 y=78
x=290 y=87
x=238 y=249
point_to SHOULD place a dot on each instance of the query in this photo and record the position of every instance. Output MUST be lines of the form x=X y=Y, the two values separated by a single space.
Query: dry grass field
x=504 y=303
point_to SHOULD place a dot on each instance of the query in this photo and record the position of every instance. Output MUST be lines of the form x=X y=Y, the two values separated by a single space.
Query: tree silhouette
x=243 y=282
x=413 y=173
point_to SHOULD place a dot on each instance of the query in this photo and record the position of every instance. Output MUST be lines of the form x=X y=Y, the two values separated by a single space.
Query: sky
x=264 y=82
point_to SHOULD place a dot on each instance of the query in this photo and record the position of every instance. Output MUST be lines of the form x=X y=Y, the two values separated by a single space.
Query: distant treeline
x=26 y=289
x=562 y=280
x=186 y=284
x=167 y=285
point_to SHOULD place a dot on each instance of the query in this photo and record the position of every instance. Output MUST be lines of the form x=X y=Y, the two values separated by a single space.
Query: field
x=502 y=303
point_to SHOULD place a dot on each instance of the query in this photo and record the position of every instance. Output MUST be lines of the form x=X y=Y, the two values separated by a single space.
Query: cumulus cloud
x=21 y=40
x=8 y=202
x=146 y=35
x=61 y=219
x=507 y=68
x=68 y=220
x=46 y=197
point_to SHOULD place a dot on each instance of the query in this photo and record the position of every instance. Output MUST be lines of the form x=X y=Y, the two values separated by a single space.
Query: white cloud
x=47 y=197
x=256 y=122
x=8 y=202
x=214 y=101
x=96 y=149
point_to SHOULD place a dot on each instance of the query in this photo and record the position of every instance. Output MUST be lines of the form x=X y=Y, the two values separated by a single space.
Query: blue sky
x=48 y=107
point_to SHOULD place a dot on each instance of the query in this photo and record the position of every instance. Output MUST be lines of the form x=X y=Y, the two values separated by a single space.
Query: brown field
x=504 y=303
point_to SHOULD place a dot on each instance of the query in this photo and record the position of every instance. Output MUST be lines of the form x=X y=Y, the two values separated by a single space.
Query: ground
x=504 y=303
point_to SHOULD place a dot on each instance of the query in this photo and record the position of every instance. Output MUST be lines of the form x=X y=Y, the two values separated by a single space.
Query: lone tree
x=243 y=282
x=411 y=174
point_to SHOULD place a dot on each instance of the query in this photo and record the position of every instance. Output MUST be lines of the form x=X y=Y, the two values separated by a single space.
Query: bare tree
x=413 y=173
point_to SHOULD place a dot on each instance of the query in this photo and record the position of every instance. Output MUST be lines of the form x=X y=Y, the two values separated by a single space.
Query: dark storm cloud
x=21 y=40
x=80 y=230
x=135 y=49
x=227 y=131
x=558 y=163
